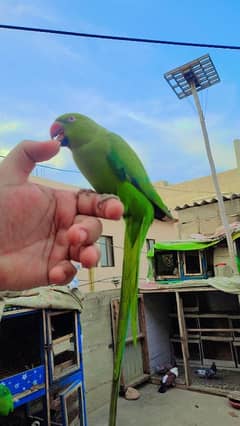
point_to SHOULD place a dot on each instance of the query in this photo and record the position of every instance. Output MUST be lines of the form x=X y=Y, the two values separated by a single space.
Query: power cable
x=117 y=38
x=156 y=185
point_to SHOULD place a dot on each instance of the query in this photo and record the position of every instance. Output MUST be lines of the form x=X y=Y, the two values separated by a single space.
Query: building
x=195 y=204
x=192 y=318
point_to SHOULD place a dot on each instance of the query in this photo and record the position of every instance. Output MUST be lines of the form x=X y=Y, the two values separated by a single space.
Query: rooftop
x=199 y=191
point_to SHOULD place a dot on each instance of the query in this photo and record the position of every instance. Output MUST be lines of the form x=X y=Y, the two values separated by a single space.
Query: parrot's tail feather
x=129 y=285
x=113 y=406
x=137 y=225
x=91 y=279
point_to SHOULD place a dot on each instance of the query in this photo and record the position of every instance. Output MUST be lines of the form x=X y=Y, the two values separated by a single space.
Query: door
x=72 y=405
x=135 y=368
x=63 y=333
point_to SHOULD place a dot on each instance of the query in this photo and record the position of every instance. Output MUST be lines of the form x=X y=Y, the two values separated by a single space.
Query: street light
x=187 y=80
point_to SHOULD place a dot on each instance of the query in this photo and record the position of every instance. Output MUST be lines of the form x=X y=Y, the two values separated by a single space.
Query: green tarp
x=188 y=245
x=226 y=284
x=50 y=297
x=180 y=246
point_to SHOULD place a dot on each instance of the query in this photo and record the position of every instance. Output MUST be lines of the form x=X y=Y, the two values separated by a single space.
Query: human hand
x=43 y=229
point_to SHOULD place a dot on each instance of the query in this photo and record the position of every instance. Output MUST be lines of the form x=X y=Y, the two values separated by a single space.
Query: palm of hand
x=33 y=232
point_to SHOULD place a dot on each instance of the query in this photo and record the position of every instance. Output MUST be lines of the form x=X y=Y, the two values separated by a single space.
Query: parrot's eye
x=71 y=119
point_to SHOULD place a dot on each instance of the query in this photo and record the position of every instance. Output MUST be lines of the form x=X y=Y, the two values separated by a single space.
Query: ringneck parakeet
x=112 y=167
x=6 y=401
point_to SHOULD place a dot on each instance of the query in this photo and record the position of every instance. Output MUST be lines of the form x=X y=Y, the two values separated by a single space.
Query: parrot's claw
x=105 y=197
x=109 y=196
x=86 y=192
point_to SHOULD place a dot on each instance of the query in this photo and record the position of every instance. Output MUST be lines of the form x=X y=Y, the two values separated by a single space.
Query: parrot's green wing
x=128 y=168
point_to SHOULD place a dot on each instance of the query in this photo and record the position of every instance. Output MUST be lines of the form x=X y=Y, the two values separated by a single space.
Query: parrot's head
x=72 y=129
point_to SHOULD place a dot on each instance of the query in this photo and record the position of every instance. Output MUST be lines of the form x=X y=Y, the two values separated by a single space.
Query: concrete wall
x=221 y=257
x=205 y=219
x=197 y=189
x=97 y=351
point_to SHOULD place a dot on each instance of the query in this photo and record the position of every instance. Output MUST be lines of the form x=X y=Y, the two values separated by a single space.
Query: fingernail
x=83 y=235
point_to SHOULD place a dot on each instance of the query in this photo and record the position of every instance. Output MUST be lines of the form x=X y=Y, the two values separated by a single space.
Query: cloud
x=160 y=139
x=185 y=134
x=34 y=128
x=17 y=10
x=10 y=127
x=62 y=160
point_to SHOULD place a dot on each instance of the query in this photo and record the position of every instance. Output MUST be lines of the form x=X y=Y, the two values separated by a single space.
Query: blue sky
x=119 y=84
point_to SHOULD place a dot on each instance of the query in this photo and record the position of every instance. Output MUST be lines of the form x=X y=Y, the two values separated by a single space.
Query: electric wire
x=109 y=280
x=117 y=38
x=156 y=185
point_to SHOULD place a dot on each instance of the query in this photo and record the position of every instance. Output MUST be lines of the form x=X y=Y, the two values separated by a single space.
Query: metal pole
x=222 y=212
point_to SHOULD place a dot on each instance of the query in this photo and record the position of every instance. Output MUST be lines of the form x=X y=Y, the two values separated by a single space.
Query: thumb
x=19 y=163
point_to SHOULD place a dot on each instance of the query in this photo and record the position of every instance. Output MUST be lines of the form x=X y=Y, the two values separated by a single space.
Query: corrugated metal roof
x=226 y=197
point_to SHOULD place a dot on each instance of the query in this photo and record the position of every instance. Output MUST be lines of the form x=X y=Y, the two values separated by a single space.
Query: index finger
x=106 y=206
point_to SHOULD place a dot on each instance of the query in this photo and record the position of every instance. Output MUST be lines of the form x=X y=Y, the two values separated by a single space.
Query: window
x=150 y=243
x=167 y=265
x=192 y=263
x=106 y=249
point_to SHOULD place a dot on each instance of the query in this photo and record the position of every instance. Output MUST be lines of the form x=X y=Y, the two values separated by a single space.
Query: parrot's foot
x=102 y=197
x=107 y=206
x=105 y=197
x=86 y=192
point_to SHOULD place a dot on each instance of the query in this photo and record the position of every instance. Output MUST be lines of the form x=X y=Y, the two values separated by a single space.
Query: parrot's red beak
x=57 y=132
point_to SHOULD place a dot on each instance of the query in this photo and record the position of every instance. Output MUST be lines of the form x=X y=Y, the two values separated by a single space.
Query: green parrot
x=112 y=167
x=6 y=401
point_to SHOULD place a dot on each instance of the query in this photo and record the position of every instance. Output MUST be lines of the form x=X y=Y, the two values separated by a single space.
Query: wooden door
x=135 y=368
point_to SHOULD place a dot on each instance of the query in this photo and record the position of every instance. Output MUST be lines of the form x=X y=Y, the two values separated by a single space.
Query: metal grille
x=201 y=72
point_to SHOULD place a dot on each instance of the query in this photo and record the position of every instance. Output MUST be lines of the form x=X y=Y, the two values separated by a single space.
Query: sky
x=119 y=84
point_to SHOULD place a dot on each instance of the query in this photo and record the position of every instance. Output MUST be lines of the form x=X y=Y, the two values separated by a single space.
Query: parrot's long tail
x=91 y=279
x=138 y=217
